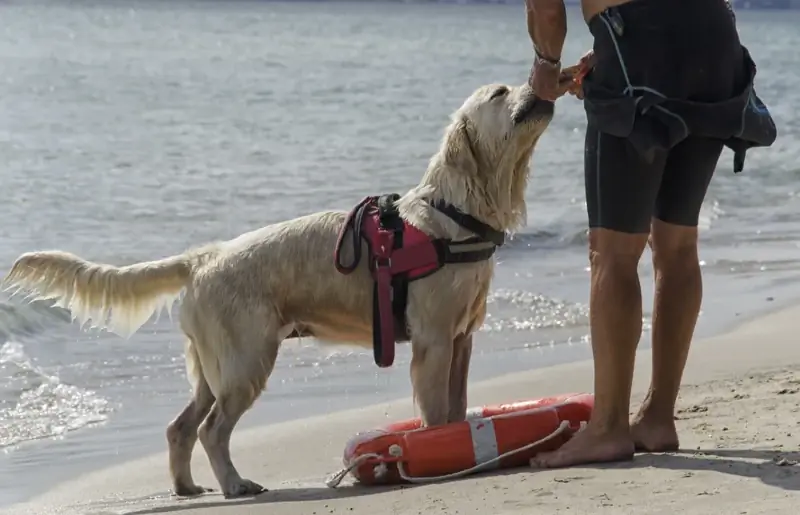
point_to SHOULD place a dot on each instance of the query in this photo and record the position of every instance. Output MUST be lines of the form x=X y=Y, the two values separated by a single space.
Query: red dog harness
x=400 y=253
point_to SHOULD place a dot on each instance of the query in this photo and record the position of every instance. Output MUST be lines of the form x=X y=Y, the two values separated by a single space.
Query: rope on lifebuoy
x=396 y=452
x=337 y=478
x=562 y=428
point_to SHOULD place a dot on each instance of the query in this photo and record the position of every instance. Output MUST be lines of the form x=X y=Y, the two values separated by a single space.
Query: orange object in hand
x=503 y=436
x=577 y=73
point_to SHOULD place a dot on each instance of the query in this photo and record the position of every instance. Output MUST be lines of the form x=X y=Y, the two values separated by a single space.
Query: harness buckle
x=383 y=262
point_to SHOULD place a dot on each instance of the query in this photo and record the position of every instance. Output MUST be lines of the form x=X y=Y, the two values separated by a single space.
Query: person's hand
x=545 y=80
x=571 y=79
x=574 y=75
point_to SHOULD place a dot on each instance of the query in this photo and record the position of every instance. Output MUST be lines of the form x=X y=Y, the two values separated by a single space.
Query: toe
x=589 y=446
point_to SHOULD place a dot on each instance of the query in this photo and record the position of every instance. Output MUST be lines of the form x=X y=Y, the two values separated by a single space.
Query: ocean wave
x=36 y=404
x=548 y=239
x=514 y=310
x=25 y=319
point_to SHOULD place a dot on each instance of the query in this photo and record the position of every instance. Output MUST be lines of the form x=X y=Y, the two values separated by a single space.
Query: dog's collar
x=470 y=223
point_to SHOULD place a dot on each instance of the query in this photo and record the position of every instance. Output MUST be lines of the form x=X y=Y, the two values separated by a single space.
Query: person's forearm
x=547 y=27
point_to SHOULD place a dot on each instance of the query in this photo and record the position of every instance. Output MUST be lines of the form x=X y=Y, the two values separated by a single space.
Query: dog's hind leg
x=459 y=372
x=430 y=376
x=182 y=432
x=244 y=368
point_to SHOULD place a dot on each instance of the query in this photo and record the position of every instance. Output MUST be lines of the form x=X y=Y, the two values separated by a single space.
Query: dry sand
x=739 y=422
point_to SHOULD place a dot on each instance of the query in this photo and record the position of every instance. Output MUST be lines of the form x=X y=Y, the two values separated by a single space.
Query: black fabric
x=671 y=85
x=470 y=223
x=625 y=190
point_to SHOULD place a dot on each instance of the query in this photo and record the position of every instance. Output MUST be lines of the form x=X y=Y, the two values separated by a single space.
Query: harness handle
x=353 y=224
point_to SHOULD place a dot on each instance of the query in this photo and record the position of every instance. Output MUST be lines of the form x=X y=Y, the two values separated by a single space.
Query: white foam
x=43 y=406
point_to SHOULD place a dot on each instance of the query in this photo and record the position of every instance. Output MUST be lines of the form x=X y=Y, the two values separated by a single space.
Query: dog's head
x=489 y=145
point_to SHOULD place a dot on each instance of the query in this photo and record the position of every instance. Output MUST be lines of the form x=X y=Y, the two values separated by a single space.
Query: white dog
x=244 y=296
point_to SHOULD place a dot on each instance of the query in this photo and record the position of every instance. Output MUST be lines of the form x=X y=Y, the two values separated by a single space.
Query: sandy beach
x=136 y=129
x=739 y=421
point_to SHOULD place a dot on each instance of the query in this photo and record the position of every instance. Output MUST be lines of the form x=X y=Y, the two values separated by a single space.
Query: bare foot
x=654 y=435
x=588 y=446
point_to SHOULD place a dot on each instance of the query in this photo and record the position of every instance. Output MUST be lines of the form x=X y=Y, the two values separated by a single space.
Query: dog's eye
x=499 y=92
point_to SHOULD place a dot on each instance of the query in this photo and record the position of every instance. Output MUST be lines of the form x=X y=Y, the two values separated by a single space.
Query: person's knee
x=674 y=247
x=614 y=259
x=616 y=251
x=680 y=258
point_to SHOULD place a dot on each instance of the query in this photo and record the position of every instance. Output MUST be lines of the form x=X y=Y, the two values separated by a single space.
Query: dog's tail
x=120 y=299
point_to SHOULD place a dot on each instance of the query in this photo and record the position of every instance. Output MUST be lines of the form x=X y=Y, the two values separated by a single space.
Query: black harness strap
x=449 y=252
x=470 y=223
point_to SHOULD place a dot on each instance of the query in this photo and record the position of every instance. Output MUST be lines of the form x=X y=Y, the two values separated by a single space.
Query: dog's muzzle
x=533 y=108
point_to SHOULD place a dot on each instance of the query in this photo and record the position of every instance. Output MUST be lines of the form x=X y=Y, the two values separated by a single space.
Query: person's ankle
x=616 y=424
x=657 y=409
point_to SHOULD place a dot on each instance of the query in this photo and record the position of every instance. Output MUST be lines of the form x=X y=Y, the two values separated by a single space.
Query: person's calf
x=678 y=294
x=616 y=325
x=676 y=307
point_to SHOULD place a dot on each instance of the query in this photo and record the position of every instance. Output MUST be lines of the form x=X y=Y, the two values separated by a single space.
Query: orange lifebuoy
x=502 y=436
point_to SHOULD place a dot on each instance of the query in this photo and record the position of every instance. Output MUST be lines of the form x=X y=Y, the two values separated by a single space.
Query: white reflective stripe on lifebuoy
x=474 y=413
x=484 y=441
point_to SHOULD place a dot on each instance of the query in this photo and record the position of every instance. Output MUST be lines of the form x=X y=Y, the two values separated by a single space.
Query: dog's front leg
x=459 y=371
x=430 y=377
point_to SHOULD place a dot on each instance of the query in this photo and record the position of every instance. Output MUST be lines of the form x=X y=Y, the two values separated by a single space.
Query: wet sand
x=739 y=421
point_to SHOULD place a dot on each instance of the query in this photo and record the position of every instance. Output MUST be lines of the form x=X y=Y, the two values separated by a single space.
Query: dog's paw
x=243 y=488
x=191 y=490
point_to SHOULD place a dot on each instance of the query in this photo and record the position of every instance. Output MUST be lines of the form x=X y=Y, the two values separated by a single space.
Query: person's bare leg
x=615 y=309
x=678 y=295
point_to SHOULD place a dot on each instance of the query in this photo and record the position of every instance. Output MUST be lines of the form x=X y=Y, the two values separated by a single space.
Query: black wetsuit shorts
x=682 y=49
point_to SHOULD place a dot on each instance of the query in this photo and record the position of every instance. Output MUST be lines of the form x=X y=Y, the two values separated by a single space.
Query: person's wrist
x=554 y=62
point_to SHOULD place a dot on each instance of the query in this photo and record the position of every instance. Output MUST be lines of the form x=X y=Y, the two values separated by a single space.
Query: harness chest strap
x=384 y=337
x=401 y=253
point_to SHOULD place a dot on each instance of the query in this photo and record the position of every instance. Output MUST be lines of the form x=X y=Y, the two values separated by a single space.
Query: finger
x=589 y=59
x=566 y=86
x=573 y=88
x=562 y=89
x=568 y=82
x=571 y=70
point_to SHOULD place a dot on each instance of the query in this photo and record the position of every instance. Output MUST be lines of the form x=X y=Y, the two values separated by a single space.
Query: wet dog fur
x=243 y=297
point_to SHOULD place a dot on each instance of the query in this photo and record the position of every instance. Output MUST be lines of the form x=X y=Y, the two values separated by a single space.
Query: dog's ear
x=459 y=151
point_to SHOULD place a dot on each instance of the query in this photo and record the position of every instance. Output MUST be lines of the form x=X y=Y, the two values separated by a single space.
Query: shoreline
x=111 y=452
x=293 y=458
